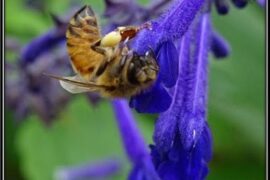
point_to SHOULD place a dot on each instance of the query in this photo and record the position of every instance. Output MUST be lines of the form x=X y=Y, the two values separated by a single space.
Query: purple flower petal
x=154 y=100
x=240 y=3
x=222 y=6
x=219 y=46
x=166 y=125
x=144 y=171
x=165 y=131
x=168 y=63
x=135 y=147
x=169 y=171
x=132 y=139
x=193 y=115
x=89 y=171
x=183 y=140
x=42 y=44
x=179 y=163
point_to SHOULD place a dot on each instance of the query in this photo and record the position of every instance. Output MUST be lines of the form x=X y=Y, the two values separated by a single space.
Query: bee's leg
x=96 y=47
x=120 y=66
x=124 y=44
x=122 y=47
x=97 y=43
x=102 y=67
x=99 y=50
x=108 y=52
x=126 y=58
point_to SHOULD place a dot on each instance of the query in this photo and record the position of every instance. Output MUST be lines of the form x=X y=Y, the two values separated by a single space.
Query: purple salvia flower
x=40 y=94
x=43 y=44
x=173 y=24
x=178 y=163
x=219 y=46
x=193 y=115
x=133 y=143
x=98 y=170
x=182 y=137
x=166 y=125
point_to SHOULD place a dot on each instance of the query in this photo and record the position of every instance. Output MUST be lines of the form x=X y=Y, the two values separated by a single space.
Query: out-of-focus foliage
x=237 y=97
x=83 y=133
x=237 y=88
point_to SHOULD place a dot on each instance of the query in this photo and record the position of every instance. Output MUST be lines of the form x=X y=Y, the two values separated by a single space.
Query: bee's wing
x=72 y=85
x=76 y=84
x=81 y=34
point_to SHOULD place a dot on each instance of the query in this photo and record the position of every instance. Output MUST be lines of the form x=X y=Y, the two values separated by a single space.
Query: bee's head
x=143 y=69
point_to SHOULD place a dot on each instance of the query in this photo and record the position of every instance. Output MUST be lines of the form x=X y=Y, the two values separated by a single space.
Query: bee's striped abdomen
x=84 y=25
x=82 y=32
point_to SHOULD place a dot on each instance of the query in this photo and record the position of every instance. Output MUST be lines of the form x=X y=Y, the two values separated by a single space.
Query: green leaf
x=81 y=134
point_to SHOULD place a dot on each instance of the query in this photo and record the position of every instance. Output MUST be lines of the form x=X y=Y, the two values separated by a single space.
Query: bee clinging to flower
x=105 y=64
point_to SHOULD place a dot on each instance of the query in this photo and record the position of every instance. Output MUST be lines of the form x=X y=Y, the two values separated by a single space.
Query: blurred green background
x=83 y=133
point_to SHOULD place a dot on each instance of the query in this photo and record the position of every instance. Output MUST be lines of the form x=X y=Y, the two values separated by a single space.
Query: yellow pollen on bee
x=111 y=39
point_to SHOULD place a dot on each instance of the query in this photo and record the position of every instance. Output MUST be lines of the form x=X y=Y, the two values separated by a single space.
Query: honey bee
x=105 y=64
